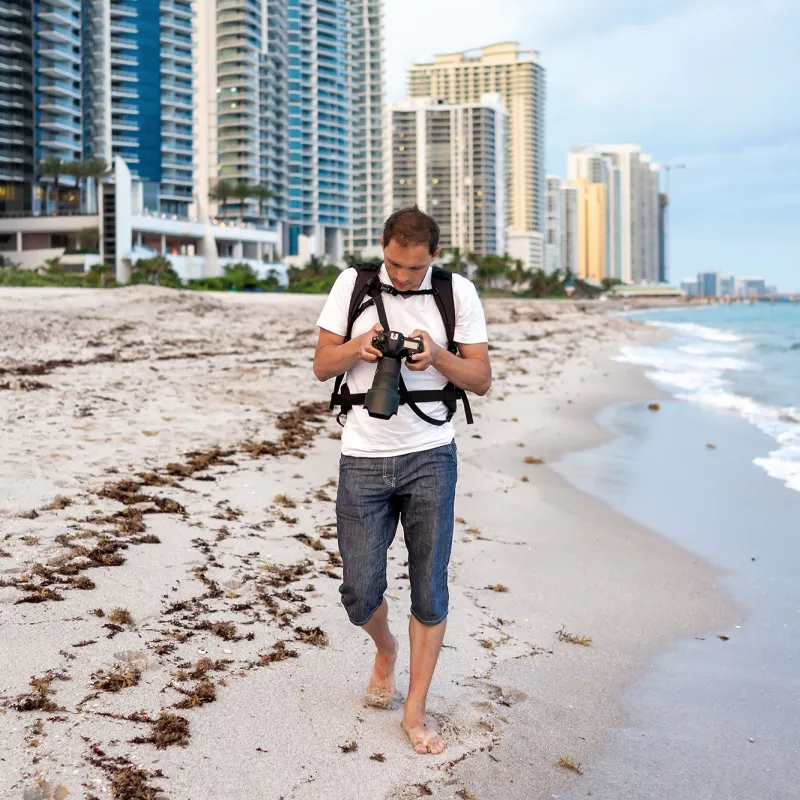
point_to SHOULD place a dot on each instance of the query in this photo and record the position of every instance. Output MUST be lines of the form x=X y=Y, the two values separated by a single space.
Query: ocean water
x=712 y=719
x=741 y=358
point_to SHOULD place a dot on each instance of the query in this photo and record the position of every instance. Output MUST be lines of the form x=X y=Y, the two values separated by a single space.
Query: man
x=404 y=468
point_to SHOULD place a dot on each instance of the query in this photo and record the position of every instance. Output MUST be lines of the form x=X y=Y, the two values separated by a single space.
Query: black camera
x=383 y=399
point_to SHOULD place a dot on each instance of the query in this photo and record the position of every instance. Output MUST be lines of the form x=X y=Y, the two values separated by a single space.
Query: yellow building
x=519 y=79
x=591 y=229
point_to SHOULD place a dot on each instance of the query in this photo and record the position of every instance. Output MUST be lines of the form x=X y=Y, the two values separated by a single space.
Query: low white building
x=127 y=232
x=527 y=247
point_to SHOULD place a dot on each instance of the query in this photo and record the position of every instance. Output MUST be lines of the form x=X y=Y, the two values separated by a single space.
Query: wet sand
x=170 y=455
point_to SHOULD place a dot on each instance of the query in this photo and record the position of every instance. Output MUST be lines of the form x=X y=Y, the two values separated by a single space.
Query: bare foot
x=381 y=686
x=423 y=735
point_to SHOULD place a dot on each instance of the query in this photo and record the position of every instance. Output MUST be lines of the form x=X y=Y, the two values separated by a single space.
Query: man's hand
x=366 y=351
x=429 y=355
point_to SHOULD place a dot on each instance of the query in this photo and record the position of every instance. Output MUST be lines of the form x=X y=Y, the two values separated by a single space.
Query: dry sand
x=168 y=454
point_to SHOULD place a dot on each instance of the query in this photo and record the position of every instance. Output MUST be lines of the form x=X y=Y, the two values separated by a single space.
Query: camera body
x=394 y=345
x=383 y=399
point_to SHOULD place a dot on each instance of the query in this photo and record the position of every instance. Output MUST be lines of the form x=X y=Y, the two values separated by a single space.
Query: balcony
x=59 y=18
x=124 y=10
x=67 y=126
x=60 y=88
x=124 y=75
x=118 y=26
x=58 y=51
x=122 y=59
x=59 y=35
x=56 y=142
x=118 y=43
x=72 y=5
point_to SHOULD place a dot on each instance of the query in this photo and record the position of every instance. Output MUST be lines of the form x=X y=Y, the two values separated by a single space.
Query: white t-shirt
x=405 y=432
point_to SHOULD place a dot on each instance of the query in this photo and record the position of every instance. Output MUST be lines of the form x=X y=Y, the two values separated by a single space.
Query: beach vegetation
x=156 y=270
x=121 y=616
x=564 y=636
x=565 y=762
x=167 y=730
x=116 y=681
x=315 y=636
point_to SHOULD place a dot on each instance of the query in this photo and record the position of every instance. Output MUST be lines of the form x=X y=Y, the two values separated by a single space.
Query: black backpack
x=368 y=285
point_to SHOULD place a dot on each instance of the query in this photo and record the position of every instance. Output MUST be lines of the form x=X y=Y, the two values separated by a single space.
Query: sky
x=710 y=84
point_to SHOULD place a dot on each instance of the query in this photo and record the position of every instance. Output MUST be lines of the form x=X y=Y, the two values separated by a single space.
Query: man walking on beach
x=403 y=468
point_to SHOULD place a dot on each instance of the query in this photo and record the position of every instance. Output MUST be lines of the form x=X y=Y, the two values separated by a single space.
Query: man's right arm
x=334 y=356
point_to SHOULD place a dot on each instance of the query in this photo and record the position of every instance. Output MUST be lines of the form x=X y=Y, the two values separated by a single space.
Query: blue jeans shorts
x=417 y=489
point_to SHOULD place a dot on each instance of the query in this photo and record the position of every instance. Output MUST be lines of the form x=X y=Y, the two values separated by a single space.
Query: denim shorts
x=417 y=489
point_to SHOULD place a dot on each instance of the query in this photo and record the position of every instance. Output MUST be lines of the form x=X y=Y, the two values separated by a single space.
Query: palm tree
x=457 y=262
x=221 y=193
x=262 y=194
x=242 y=192
x=490 y=267
x=541 y=284
x=76 y=170
x=154 y=267
x=515 y=272
x=51 y=167
x=96 y=168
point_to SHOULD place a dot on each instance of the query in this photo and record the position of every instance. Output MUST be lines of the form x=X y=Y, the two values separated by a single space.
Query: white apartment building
x=585 y=163
x=519 y=78
x=639 y=239
x=552 y=223
x=451 y=161
x=569 y=227
x=527 y=247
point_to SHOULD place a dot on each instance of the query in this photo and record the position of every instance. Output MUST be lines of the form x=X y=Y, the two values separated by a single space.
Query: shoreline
x=510 y=696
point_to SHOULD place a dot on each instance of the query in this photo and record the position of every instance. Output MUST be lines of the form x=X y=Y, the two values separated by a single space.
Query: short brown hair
x=410 y=226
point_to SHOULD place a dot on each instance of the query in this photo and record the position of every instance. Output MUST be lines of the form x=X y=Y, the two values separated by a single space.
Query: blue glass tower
x=318 y=123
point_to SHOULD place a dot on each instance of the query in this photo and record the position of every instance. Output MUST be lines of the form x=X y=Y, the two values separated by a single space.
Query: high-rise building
x=367 y=85
x=240 y=108
x=663 y=203
x=634 y=214
x=587 y=164
x=96 y=79
x=708 y=284
x=294 y=104
x=518 y=77
x=552 y=226
x=450 y=161
x=17 y=129
x=569 y=227
x=319 y=112
x=591 y=225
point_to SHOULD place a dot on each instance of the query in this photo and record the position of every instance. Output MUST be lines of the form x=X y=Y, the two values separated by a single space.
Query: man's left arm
x=469 y=370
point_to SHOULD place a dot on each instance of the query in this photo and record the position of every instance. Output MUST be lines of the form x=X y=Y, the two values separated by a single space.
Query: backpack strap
x=442 y=282
x=366 y=275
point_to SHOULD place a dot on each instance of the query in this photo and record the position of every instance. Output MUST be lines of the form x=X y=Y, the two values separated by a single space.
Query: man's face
x=407 y=266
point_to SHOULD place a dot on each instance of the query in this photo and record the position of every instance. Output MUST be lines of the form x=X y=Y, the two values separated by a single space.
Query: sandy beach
x=169 y=606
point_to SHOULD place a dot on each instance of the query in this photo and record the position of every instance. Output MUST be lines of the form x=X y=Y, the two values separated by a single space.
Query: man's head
x=410 y=243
